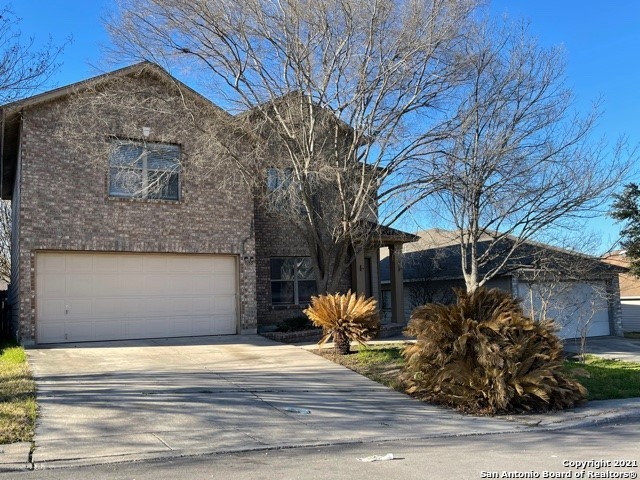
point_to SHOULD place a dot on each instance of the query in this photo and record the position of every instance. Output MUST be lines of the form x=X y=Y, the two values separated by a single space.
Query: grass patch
x=606 y=379
x=17 y=395
x=381 y=364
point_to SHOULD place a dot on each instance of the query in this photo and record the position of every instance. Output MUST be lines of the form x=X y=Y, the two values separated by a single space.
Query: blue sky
x=601 y=41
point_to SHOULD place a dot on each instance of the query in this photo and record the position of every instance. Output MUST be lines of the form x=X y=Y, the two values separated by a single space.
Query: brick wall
x=275 y=237
x=65 y=204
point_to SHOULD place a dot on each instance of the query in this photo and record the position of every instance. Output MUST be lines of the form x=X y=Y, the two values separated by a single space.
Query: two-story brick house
x=92 y=259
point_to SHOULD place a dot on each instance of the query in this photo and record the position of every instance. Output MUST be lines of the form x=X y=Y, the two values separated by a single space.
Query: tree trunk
x=341 y=343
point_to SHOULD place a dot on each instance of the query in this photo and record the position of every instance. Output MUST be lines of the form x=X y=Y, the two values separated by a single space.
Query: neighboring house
x=92 y=260
x=579 y=292
x=629 y=292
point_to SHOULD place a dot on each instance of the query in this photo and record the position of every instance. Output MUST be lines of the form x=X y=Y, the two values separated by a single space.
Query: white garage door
x=630 y=314
x=110 y=296
x=576 y=307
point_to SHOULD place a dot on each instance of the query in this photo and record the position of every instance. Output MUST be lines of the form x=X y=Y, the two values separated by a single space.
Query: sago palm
x=484 y=355
x=345 y=318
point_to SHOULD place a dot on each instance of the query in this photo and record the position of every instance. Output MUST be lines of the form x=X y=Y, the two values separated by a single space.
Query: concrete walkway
x=124 y=401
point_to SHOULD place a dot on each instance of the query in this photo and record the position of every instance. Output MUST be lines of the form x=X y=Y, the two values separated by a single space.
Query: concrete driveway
x=119 y=401
x=618 y=348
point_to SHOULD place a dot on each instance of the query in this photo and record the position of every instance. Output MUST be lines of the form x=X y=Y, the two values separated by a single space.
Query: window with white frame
x=292 y=281
x=144 y=170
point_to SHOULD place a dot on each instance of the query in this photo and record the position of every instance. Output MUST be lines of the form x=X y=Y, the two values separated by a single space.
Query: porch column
x=359 y=276
x=397 y=283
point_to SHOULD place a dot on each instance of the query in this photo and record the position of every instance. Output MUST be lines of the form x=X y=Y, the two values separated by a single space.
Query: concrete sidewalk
x=125 y=401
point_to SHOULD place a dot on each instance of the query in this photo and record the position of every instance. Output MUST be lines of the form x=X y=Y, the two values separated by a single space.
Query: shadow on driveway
x=117 y=401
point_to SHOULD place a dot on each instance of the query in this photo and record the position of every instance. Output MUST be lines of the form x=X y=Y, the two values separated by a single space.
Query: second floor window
x=278 y=178
x=144 y=170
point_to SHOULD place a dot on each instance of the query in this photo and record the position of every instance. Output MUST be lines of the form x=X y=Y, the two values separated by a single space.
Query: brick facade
x=276 y=238
x=64 y=205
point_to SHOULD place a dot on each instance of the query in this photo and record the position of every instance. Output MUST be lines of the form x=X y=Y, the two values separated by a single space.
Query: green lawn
x=17 y=396
x=380 y=364
x=604 y=379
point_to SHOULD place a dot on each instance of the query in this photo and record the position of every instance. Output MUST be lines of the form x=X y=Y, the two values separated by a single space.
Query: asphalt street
x=605 y=450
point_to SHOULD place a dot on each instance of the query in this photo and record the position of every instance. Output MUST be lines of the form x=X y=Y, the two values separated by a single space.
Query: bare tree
x=569 y=287
x=422 y=292
x=334 y=88
x=517 y=163
x=5 y=241
x=23 y=70
x=23 y=67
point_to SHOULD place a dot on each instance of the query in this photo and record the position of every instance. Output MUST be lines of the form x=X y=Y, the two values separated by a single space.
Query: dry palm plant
x=345 y=318
x=483 y=355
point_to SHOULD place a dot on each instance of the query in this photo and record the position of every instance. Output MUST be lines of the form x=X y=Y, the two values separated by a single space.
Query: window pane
x=305 y=269
x=278 y=178
x=283 y=268
x=272 y=179
x=126 y=154
x=163 y=157
x=163 y=185
x=282 y=293
x=147 y=170
x=306 y=289
x=125 y=182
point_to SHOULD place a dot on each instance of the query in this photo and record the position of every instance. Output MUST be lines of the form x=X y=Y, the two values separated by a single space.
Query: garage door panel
x=127 y=296
x=52 y=309
x=108 y=307
x=79 y=263
x=203 y=324
x=176 y=264
x=223 y=323
x=224 y=304
x=52 y=263
x=52 y=285
x=225 y=284
x=204 y=265
x=79 y=308
x=576 y=308
x=224 y=266
x=108 y=328
x=180 y=283
x=79 y=285
x=107 y=285
x=201 y=306
x=202 y=284
x=129 y=263
x=54 y=331
x=133 y=283
x=154 y=264
x=157 y=283
x=105 y=264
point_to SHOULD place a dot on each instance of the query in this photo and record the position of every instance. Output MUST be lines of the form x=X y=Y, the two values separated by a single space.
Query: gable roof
x=136 y=68
x=437 y=256
x=11 y=112
x=297 y=96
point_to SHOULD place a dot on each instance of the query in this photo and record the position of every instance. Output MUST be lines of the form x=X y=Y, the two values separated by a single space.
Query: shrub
x=295 y=324
x=344 y=317
x=483 y=355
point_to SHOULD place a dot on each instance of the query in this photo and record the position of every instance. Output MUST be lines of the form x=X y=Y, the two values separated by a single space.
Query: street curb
x=15 y=456
x=582 y=417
